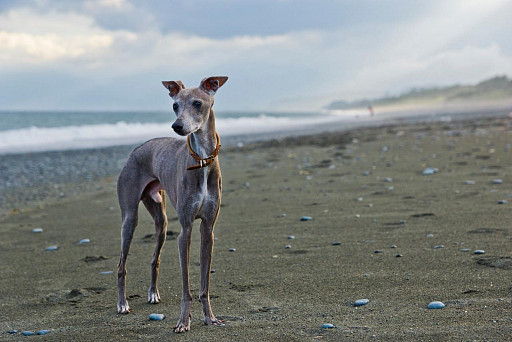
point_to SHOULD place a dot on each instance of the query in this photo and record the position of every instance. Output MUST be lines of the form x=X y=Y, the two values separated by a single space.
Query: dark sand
x=269 y=293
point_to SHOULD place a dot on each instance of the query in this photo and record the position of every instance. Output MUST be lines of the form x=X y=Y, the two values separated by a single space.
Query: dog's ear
x=174 y=87
x=212 y=84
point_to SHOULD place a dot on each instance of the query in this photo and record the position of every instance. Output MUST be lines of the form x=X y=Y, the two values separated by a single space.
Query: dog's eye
x=175 y=107
x=196 y=104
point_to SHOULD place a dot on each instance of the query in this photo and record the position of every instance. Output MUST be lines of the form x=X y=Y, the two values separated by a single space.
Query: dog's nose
x=177 y=127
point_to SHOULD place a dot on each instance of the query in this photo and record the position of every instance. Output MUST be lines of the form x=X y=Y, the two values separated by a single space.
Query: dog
x=189 y=173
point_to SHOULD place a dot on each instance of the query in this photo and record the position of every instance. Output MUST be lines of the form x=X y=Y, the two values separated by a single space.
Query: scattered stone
x=213 y=270
x=83 y=241
x=336 y=243
x=12 y=332
x=106 y=272
x=42 y=332
x=361 y=302
x=37 y=230
x=430 y=171
x=378 y=251
x=360 y=199
x=281 y=215
x=288 y=246
x=388 y=180
x=93 y=258
x=156 y=317
x=436 y=305
x=393 y=246
x=423 y=215
x=470 y=182
x=430 y=235
x=28 y=333
x=51 y=248
x=502 y=202
x=464 y=249
x=366 y=173
x=438 y=246
x=306 y=218
x=232 y=250
x=398 y=255
x=479 y=251
x=497 y=181
x=291 y=237
x=328 y=326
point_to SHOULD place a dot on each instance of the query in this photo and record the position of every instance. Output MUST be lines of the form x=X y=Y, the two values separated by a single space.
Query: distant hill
x=493 y=89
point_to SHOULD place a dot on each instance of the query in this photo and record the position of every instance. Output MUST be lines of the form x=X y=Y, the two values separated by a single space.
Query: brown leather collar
x=203 y=162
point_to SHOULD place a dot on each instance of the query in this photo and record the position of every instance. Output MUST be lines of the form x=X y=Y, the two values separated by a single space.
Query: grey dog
x=189 y=172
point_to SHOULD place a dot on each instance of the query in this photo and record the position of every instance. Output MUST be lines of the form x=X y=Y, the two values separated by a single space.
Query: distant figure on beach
x=370 y=109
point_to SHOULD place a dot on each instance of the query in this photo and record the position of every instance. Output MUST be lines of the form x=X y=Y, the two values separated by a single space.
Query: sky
x=280 y=55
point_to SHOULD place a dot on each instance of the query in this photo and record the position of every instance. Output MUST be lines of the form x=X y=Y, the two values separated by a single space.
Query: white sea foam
x=34 y=139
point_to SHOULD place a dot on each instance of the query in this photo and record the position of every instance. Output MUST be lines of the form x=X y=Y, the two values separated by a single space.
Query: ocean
x=32 y=131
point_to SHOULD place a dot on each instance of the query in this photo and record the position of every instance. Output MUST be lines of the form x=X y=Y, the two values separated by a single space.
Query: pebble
x=37 y=230
x=497 y=181
x=464 y=249
x=361 y=302
x=430 y=235
x=430 y=171
x=42 y=332
x=393 y=246
x=328 y=326
x=156 y=317
x=388 y=180
x=479 y=251
x=470 y=182
x=106 y=272
x=438 y=246
x=288 y=246
x=502 y=202
x=28 y=333
x=436 y=305
x=12 y=332
x=306 y=218
x=366 y=173
x=336 y=243
x=398 y=255
x=51 y=248
x=84 y=241
x=232 y=249
x=291 y=237
x=378 y=251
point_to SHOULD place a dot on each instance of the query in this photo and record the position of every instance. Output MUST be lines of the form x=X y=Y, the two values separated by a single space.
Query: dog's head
x=192 y=106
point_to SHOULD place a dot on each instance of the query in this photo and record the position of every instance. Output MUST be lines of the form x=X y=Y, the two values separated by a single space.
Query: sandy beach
x=380 y=230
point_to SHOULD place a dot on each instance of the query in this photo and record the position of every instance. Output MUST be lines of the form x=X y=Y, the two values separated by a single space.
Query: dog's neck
x=204 y=140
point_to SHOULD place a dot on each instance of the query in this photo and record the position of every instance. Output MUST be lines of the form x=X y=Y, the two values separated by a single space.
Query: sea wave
x=36 y=139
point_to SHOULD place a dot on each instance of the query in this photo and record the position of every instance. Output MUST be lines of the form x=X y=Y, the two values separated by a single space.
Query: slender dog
x=189 y=172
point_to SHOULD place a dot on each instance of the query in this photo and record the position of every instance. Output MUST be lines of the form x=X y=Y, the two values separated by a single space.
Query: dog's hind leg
x=129 y=202
x=157 y=211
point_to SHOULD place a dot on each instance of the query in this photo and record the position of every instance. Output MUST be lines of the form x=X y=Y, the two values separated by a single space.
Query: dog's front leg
x=206 y=259
x=186 y=298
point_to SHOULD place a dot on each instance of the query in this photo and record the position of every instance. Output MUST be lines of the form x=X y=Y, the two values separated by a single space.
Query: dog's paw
x=182 y=327
x=123 y=308
x=153 y=297
x=213 y=321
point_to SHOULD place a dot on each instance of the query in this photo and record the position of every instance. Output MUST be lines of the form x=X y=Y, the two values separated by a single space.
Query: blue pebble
x=328 y=326
x=51 y=248
x=83 y=241
x=479 y=251
x=106 y=272
x=438 y=246
x=306 y=218
x=502 y=202
x=156 y=317
x=430 y=171
x=361 y=302
x=12 y=332
x=464 y=249
x=37 y=230
x=28 y=333
x=497 y=181
x=232 y=249
x=42 y=332
x=436 y=305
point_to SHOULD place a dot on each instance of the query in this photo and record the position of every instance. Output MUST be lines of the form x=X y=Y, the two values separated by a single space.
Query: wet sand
x=363 y=188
